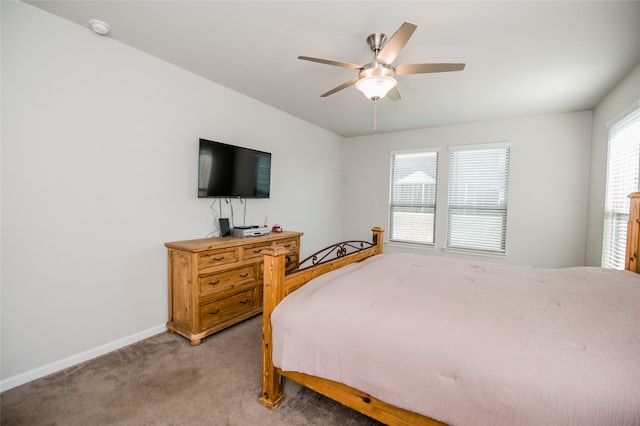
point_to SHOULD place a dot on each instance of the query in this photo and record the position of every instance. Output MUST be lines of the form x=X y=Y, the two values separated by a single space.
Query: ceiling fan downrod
x=375 y=41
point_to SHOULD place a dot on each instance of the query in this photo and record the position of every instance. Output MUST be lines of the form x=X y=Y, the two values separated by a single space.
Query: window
x=412 y=199
x=477 y=213
x=622 y=179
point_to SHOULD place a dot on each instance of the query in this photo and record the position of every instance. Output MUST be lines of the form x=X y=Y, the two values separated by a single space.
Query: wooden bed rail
x=277 y=286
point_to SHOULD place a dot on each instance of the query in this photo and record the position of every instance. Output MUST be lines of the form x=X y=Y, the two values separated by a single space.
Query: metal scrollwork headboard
x=333 y=252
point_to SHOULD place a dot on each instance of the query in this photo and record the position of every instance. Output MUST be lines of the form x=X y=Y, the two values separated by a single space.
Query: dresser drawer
x=292 y=260
x=210 y=283
x=253 y=251
x=291 y=244
x=211 y=258
x=227 y=308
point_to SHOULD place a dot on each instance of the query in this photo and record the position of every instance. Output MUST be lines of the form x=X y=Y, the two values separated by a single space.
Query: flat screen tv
x=229 y=171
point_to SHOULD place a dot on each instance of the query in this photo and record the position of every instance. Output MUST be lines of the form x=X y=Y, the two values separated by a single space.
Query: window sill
x=475 y=252
x=432 y=249
x=408 y=244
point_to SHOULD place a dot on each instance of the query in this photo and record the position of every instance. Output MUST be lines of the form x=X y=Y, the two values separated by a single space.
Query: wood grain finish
x=276 y=287
x=633 y=229
x=215 y=283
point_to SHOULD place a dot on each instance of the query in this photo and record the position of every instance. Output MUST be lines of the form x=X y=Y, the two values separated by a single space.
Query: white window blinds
x=477 y=212
x=622 y=179
x=412 y=198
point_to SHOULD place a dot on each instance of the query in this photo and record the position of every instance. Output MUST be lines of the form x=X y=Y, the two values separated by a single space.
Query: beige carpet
x=164 y=381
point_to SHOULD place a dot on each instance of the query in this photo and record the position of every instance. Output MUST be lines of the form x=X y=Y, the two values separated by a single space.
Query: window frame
x=616 y=206
x=477 y=243
x=392 y=205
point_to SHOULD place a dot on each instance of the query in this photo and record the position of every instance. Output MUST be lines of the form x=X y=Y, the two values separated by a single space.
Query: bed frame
x=276 y=286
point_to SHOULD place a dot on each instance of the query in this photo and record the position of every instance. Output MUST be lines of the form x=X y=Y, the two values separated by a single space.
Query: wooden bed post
x=274 y=269
x=633 y=228
x=377 y=238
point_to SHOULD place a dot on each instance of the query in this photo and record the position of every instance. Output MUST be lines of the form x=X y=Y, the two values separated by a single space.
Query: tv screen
x=229 y=171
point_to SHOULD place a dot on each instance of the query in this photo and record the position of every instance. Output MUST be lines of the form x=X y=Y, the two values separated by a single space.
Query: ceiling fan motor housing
x=376 y=69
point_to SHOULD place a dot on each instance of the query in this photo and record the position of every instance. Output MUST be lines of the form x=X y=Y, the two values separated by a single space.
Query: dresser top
x=203 y=244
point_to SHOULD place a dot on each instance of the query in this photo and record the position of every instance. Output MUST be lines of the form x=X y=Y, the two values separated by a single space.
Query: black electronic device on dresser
x=225 y=230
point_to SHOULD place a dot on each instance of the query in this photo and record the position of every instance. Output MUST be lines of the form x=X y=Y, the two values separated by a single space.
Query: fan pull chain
x=375 y=113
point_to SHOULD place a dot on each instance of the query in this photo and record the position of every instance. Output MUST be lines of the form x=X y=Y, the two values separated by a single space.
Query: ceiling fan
x=375 y=79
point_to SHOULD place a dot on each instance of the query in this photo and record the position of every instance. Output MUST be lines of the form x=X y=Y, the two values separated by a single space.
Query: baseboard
x=54 y=367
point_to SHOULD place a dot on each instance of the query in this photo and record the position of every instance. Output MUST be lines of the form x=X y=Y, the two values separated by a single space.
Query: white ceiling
x=522 y=58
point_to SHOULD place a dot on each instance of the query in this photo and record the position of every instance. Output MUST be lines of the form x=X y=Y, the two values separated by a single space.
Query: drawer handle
x=287 y=245
x=245 y=301
x=244 y=275
x=214 y=312
x=218 y=259
x=214 y=282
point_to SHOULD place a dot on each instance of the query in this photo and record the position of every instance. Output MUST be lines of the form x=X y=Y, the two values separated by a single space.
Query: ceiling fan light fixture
x=376 y=87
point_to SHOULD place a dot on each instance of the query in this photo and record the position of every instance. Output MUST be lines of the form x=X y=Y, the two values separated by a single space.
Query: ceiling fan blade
x=393 y=94
x=330 y=62
x=395 y=44
x=339 y=88
x=426 y=68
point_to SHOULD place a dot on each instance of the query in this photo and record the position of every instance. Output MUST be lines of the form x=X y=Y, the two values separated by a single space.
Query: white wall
x=548 y=183
x=617 y=102
x=99 y=168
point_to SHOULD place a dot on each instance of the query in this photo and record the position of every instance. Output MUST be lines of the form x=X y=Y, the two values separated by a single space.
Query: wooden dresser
x=217 y=282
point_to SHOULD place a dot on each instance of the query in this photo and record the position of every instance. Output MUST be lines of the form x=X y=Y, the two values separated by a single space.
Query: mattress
x=472 y=343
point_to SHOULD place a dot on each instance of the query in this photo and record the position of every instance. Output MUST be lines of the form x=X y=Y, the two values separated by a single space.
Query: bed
x=467 y=343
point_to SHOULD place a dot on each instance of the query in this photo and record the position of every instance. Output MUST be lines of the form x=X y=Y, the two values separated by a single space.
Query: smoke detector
x=99 y=26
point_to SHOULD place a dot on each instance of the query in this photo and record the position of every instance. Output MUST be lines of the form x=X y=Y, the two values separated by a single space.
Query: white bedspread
x=472 y=343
